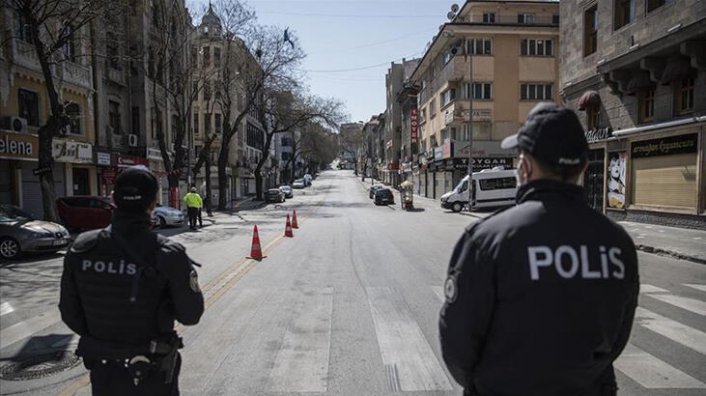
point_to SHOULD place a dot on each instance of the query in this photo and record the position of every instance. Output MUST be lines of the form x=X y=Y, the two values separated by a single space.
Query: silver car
x=20 y=233
x=167 y=216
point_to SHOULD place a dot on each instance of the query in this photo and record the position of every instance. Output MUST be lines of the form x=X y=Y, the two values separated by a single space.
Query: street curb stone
x=669 y=253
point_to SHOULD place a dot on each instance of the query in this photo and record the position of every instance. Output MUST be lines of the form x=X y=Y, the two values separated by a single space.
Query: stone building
x=501 y=56
x=636 y=73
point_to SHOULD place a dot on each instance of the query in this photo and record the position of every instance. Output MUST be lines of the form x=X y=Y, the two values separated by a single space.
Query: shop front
x=80 y=170
x=18 y=157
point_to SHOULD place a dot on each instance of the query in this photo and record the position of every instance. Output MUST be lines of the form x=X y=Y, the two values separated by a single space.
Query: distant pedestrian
x=193 y=203
x=122 y=288
x=540 y=298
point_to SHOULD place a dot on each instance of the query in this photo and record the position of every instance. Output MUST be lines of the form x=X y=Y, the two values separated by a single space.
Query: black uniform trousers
x=193 y=214
x=113 y=379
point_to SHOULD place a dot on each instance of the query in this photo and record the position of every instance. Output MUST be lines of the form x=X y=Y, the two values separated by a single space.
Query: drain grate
x=38 y=366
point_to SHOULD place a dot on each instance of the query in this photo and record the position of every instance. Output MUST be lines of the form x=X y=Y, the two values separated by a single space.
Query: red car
x=79 y=213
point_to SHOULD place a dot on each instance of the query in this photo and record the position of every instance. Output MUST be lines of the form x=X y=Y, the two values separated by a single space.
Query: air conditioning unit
x=132 y=140
x=14 y=123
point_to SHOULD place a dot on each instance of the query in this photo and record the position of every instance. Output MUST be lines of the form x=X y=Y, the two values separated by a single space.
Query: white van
x=490 y=188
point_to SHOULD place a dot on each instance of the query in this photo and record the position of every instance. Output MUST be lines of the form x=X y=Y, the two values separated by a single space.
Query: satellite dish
x=454 y=8
x=451 y=15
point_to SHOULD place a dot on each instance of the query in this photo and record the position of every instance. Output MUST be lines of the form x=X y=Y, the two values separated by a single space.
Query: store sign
x=595 y=135
x=154 y=154
x=73 y=152
x=682 y=144
x=18 y=146
x=490 y=163
x=438 y=153
x=414 y=122
x=103 y=158
x=124 y=161
x=448 y=149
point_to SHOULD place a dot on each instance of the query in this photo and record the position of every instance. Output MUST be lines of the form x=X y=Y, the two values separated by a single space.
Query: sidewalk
x=682 y=243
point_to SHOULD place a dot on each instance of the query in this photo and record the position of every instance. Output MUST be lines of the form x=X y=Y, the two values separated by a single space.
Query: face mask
x=518 y=172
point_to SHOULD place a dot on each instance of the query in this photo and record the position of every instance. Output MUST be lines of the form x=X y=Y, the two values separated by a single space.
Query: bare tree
x=256 y=59
x=51 y=27
x=287 y=111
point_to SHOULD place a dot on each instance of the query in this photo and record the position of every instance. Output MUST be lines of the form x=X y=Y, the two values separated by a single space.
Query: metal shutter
x=665 y=181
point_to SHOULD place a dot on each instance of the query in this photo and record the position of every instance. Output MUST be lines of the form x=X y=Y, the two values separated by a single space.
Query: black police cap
x=135 y=188
x=552 y=134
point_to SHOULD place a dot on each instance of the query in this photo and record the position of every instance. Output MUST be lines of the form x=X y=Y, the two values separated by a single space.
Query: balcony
x=77 y=74
x=24 y=54
x=116 y=76
x=514 y=20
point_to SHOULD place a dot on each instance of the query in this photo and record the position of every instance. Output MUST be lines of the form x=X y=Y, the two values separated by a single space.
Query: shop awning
x=639 y=81
x=589 y=98
x=678 y=68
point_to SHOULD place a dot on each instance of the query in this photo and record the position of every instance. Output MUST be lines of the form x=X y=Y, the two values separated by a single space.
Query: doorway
x=81 y=181
x=593 y=179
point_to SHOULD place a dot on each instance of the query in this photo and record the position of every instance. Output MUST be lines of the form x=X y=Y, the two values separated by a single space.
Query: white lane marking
x=697 y=238
x=5 y=308
x=645 y=288
x=404 y=349
x=675 y=331
x=439 y=292
x=695 y=286
x=653 y=373
x=27 y=328
x=302 y=363
x=689 y=304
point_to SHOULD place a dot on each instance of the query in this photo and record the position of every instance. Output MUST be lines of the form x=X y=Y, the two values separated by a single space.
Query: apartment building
x=501 y=54
x=373 y=146
x=25 y=107
x=636 y=72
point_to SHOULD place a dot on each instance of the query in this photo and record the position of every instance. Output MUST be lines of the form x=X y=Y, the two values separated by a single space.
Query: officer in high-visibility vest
x=193 y=203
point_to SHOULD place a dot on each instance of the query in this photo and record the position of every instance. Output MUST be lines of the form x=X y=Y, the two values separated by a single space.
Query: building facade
x=636 y=73
x=502 y=56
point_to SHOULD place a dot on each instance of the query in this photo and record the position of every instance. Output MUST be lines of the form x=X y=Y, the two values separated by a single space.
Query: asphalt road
x=349 y=306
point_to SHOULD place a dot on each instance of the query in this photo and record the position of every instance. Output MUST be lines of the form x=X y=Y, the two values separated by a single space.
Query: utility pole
x=469 y=59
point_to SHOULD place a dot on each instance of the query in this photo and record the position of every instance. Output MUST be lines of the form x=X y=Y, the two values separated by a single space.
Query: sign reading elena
x=681 y=144
x=18 y=145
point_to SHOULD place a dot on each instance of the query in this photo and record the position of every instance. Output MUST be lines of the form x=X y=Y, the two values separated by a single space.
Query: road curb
x=669 y=253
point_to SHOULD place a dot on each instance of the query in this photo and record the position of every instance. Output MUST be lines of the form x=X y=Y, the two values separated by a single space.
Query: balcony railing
x=77 y=74
x=514 y=19
x=24 y=54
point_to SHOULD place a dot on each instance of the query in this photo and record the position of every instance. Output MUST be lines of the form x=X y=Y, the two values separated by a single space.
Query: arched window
x=73 y=111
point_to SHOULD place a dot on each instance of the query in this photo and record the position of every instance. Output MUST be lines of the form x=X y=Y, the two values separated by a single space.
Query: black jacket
x=540 y=298
x=128 y=298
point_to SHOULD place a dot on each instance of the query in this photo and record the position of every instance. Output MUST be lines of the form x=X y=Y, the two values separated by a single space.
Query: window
x=217 y=57
x=156 y=17
x=646 y=103
x=592 y=116
x=175 y=128
x=432 y=108
x=112 y=51
x=194 y=56
x=534 y=47
x=197 y=150
x=536 y=91
x=654 y=4
x=525 y=19
x=498 y=184
x=590 y=30
x=219 y=124
x=114 y=117
x=157 y=129
x=196 y=124
x=480 y=46
x=24 y=32
x=555 y=19
x=69 y=48
x=136 y=120
x=28 y=102
x=207 y=123
x=685 y=96
x=73 y=111
x=206 y=56
x=488 y=17
x=448 y=96
x=207 y=90
x=481 y=90
x=624 y=12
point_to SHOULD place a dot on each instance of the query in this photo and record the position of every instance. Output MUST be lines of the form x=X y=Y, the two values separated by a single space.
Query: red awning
x=589 y=98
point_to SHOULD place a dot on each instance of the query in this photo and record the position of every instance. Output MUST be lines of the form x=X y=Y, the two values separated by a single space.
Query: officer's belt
x=89 y=347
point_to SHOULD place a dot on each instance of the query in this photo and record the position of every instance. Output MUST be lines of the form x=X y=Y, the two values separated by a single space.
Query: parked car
x=85 y=212
x=373 y=189
x=288 y=193
x=383 y=196
x=299 y=183
x=167 y=216
x=274 y=195
x=21 y=233
x=307 y=179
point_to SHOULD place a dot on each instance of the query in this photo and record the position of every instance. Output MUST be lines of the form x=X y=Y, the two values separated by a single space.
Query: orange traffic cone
x=256 y=250
x=294 y=220
x=288 y=228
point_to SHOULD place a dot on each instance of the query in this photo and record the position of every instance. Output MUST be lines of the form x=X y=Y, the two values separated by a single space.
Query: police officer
x=540 y=298
x=122 y=288
x=193 y=203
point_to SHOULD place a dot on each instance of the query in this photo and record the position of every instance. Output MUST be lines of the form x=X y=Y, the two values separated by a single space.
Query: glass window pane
x=548 y=92
x=532 y=91
x=548 y=47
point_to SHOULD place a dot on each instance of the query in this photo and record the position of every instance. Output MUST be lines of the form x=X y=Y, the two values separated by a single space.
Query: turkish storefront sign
x=154 y=154
x=481 y=148
x=125 y=161
x=414 y=125
x=72 y=152
x=103 y=158
x=438 y=153
x=595 y=135
x=479 y=115
x=19 y=146
x=479 y=163
x=682 y=144
x=448 y=149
